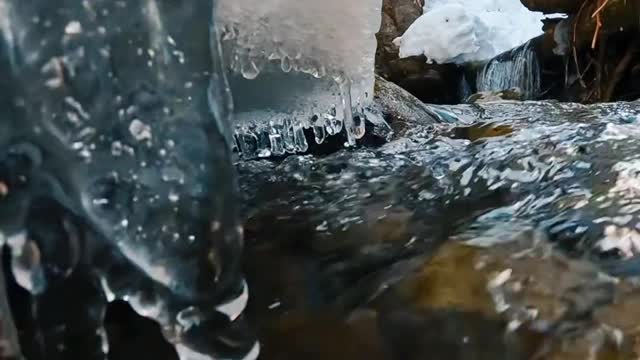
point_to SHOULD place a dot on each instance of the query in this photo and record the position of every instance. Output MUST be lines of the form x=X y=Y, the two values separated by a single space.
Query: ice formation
x=301 y=66
x=116 y=181
x=457 y=31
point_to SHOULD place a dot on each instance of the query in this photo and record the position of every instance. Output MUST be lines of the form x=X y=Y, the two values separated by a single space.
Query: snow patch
x=458 y=31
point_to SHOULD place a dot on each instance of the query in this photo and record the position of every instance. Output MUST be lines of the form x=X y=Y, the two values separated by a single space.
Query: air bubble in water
x=274 y=56
x=319 y=130
x=285 y=64
x=277 y=144
x=172 y=173
x=249 y=70
x=248 y=143
x=359 y=125
x=333 y=124
x=25 y=265
x=264 y=145
x=139 y=130
x=174 y=196
x=288 y=136
x=301 y=144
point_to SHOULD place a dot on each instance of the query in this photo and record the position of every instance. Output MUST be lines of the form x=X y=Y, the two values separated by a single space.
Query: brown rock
x=538 y=295
x=431 y=83
x=397 y=16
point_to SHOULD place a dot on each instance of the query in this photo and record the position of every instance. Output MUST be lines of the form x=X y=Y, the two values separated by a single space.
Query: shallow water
x=511 y=226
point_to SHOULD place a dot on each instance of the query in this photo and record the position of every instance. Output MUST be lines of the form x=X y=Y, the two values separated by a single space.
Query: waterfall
x=517 y=68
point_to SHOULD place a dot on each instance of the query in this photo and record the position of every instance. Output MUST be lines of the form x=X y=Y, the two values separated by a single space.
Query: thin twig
x=620 y=70
x=575 y=55
x=597 y=12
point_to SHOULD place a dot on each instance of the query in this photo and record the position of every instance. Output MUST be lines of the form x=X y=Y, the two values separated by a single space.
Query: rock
x=601 y=57
x=488 y=96
x=548 y=306
x=553 y=6
x=481 y=130
x=397 y=16
x=431 y=83
x=401 y=109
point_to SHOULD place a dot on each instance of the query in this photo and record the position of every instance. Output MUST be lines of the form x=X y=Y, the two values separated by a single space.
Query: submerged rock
x=489 y=96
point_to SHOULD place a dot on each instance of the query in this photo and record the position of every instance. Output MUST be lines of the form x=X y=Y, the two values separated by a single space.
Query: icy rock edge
x=301 y=66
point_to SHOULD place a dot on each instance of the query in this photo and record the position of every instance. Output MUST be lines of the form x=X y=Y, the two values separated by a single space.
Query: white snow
x=457 y=31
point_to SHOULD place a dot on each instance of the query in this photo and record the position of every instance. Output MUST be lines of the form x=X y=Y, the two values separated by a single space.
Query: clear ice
x=302 y=66
x=116 y=180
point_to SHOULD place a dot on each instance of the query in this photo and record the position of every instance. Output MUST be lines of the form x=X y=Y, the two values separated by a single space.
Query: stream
x=507 y=231
x=328 y=215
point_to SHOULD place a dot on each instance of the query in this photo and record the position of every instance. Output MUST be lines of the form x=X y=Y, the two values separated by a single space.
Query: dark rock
x=431 y=83
x=553 y=6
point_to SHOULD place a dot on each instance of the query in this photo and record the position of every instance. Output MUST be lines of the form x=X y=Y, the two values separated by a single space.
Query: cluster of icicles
x=265 y=133
x=277 y=134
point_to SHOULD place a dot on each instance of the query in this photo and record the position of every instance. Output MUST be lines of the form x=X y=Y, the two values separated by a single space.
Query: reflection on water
x=496 y=233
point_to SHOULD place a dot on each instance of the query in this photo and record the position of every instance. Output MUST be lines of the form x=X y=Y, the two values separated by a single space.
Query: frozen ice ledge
x=301 y=66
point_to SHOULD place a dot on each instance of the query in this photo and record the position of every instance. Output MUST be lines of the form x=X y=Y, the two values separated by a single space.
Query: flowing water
x=512 y=227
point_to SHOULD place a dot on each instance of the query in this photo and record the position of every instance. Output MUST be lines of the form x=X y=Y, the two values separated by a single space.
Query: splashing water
x=300 y=66
x=518 y=68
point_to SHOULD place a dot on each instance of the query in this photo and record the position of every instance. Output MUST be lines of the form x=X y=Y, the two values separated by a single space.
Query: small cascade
x=517 y=68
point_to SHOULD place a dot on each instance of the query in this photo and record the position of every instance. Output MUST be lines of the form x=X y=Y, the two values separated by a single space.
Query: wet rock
x=488 y=96
x=480 y=131
x=400 y=108
x=324 y=336
x=548 y=305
